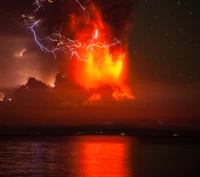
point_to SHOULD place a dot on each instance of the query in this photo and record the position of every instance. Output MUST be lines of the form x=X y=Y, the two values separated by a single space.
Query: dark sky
x=166 y=41
x=164 y=47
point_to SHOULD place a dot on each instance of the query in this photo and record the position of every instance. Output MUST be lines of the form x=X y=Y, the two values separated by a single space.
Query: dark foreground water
x=98 y=156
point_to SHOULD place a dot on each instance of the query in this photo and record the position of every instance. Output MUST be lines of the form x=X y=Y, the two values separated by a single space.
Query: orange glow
x=94 y=98
x=102 y=156
x=98 y=159
x=101 y=59
x=121 y=95
x=1 y=96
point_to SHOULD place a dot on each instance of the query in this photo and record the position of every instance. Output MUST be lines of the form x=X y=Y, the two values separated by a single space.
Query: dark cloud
x=36 y=100
x=67 y=102
x=119 y=15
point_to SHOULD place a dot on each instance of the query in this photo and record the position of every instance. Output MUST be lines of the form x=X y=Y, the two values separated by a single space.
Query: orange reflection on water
x=103 y=158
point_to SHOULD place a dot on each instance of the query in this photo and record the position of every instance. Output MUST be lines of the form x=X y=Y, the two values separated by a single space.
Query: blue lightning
x=58 y=41
x=38 y=4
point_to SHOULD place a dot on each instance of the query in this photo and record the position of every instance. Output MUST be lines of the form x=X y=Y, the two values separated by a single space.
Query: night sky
x=164 y=49
x=165 y=41
x=164 y=44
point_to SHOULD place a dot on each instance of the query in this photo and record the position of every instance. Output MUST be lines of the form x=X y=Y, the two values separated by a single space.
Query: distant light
x=20 y=54
x=122 y=134
x=176 y=134
x=9 y=99
x=1 y=96
x=52 y=85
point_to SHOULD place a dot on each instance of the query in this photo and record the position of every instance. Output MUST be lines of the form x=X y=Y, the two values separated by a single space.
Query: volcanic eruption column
x=87 y=39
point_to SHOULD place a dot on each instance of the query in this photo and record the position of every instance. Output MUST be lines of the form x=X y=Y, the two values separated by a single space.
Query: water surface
x=97 y=156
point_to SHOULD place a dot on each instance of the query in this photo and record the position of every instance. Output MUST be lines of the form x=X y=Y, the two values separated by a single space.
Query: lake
x=98 y=156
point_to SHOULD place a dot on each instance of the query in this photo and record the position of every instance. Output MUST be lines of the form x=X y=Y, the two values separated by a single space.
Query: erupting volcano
x=97 y=56
x=101 y=57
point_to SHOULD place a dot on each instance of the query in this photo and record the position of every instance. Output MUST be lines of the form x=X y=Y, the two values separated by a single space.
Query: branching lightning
x=57 y=42
x=100 y=63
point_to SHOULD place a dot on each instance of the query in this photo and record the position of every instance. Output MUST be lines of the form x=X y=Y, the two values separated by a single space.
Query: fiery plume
x=96 y=50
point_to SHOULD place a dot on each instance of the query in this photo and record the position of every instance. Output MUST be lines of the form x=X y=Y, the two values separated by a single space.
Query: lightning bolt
x=84 y=10
x=82 y=51
x=58 y=42
x=39 y=5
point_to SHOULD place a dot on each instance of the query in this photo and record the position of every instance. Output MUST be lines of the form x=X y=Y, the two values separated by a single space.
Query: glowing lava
x=94 y=98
